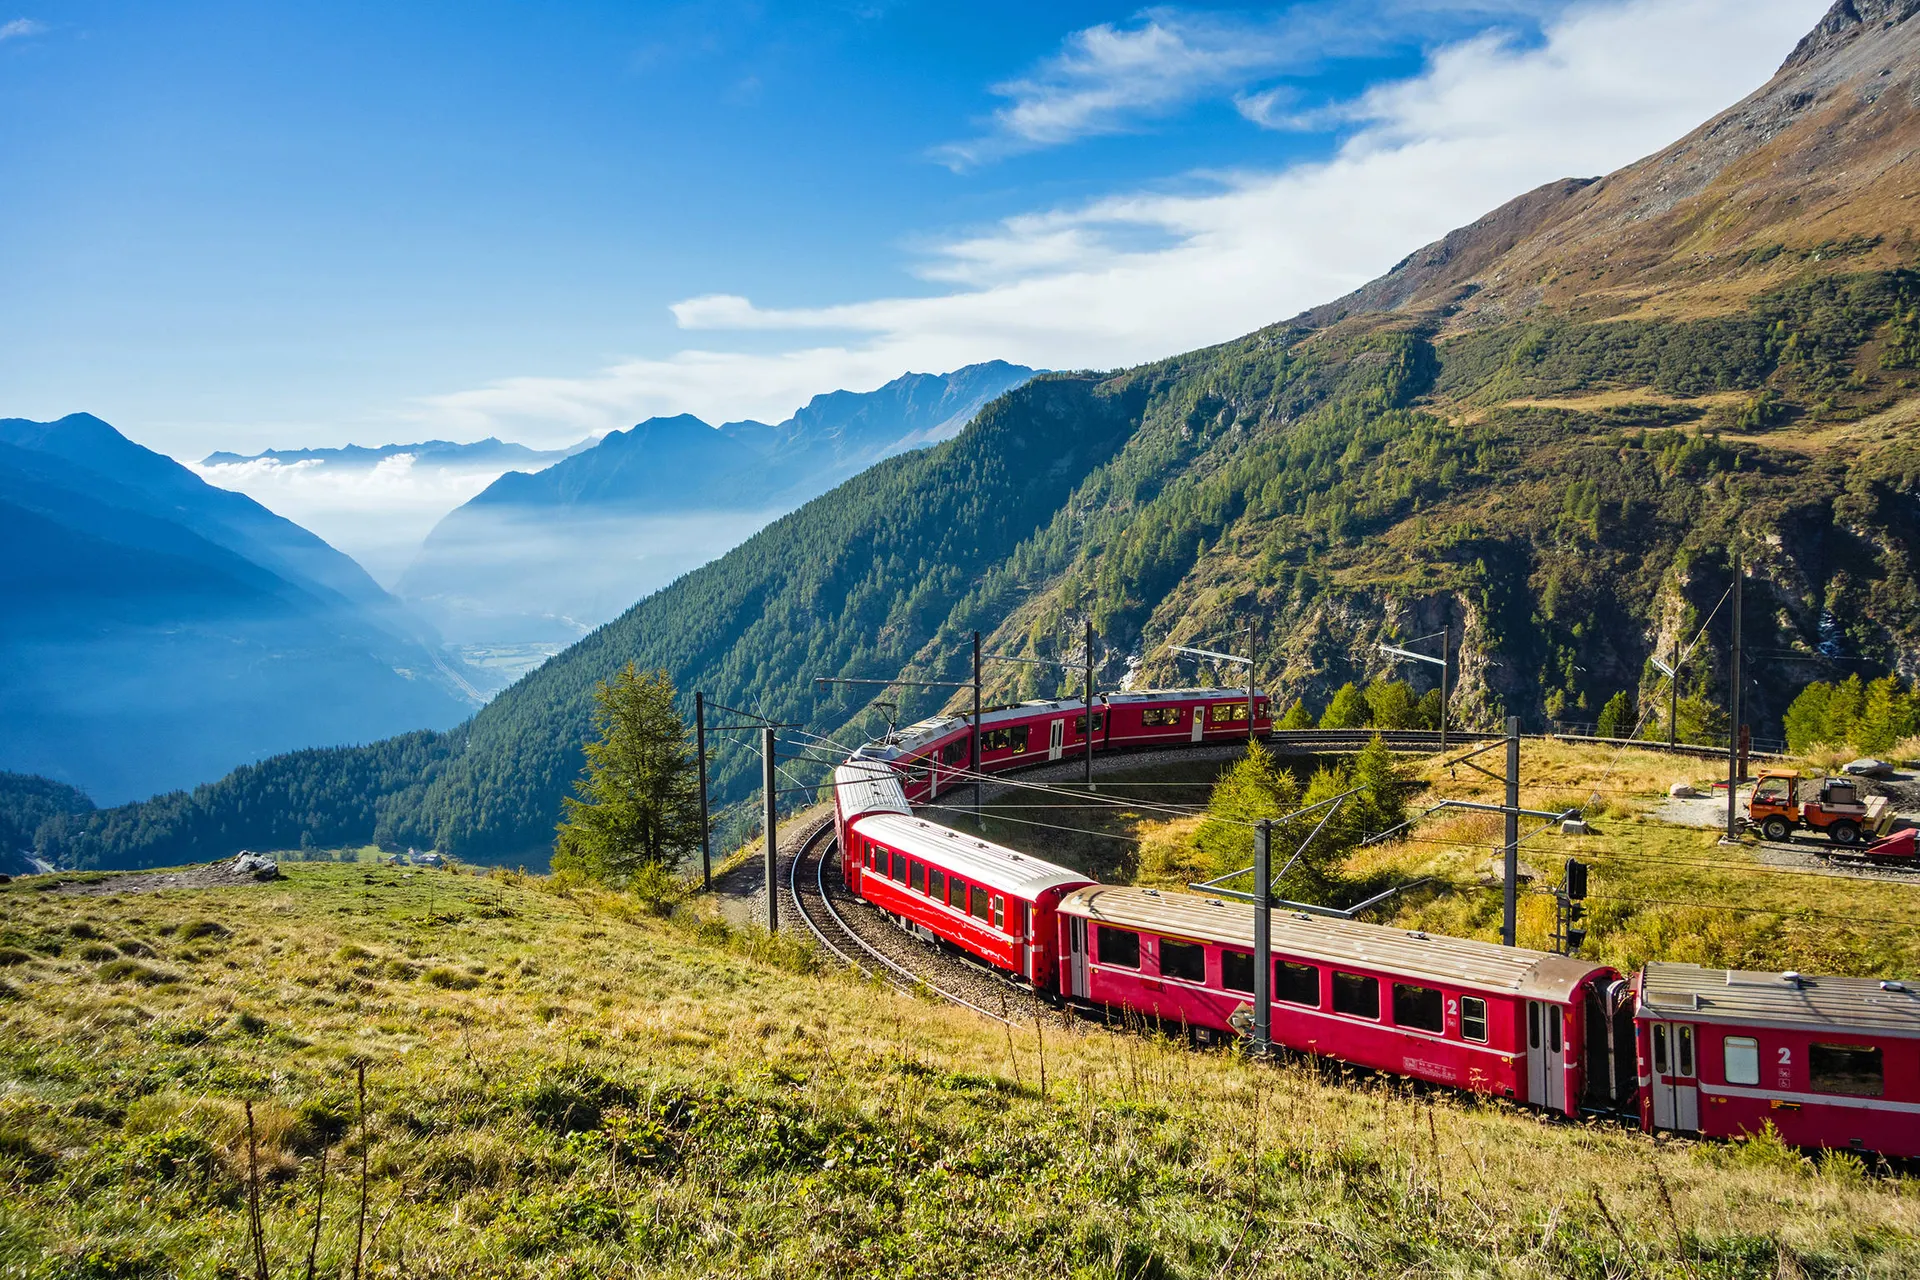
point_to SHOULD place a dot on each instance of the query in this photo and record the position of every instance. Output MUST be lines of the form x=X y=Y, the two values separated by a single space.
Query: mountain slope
x=160 y=630
x=1553 y=468
x=543 y=557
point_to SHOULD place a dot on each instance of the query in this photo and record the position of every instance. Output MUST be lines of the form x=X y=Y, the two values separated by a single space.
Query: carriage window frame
x=1419 y=1008
x=897 y=871
x=1740 y=1059
x=1237 y=971
x=1349 y=990
x=1125 y=942
x=957 y=894
x=917 y=876
x=1828 y=1072
x=954 y=752
x=1227 y=713
x=1473 y=1019
x=979 y=904
x=1161 y=717
x=937 y=885
x=1293 y=982
x=1190 y=960
x=1099 y=723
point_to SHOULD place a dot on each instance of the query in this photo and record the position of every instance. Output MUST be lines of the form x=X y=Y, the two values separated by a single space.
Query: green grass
x=598 y=1091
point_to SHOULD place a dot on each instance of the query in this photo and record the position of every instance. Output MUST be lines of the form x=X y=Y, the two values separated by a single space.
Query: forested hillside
x=1545 y=446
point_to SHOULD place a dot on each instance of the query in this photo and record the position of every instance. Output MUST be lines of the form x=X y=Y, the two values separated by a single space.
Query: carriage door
x=1077 y=944
x=1676 y=1088
x=1056 y=738
x=1546 y=1056
x=1199 y=722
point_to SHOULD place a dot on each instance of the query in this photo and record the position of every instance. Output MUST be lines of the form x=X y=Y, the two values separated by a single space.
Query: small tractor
x=1838 y=808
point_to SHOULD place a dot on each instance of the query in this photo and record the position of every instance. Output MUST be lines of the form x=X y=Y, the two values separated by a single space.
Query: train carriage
x=935 y=754
x=993 y=902
x=1829 y=1062
x=1528 y=1025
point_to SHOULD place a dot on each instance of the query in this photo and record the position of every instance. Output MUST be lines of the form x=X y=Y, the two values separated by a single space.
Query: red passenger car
x=934 y=755
x=1829 y=1062
x=1527 y=1025
x=988 y=900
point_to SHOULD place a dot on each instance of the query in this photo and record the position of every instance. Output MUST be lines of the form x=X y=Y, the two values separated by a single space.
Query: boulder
x=1684 y=791
x=255 y=867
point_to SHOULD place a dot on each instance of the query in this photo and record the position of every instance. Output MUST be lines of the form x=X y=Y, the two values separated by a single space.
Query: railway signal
x=1570 y=909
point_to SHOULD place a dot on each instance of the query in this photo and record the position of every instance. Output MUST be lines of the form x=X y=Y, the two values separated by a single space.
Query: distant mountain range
x=488 y=452
x=160 y=631
x=543 y=557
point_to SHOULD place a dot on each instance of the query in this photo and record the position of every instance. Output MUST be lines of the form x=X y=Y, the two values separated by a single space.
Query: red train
x=1830 y=1062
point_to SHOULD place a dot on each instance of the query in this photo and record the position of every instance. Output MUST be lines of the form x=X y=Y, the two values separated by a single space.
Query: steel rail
x=899 y=972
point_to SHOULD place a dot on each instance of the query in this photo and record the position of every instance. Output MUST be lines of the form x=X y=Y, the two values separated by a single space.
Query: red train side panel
x=1829 y=1062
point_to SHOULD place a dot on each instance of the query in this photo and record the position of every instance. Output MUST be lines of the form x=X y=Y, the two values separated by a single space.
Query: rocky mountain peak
x=1846 y=22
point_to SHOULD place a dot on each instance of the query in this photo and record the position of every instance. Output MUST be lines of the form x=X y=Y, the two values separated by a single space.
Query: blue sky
x=240 y=225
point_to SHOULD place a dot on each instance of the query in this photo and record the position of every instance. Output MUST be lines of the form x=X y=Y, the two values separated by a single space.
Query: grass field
x=559 y=1084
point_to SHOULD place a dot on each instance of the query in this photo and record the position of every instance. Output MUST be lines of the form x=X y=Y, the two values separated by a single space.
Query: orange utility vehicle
x=1837 y=808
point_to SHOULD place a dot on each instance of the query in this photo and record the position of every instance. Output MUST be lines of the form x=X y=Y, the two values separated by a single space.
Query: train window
x=918 y=881
x=981 y=907
x=1154 y=716
x=1682 y=1048
x=999 y=913
x=1013 y=738
x=1421 y=1008
x=954 y=752
x=1473 y=1019
x=937 y=885
x=1846 y=1068
x=1099 y=723
x=1186 y=961
x=1026 y=921
x=1120 y=947
x=956 y=894
x=1553 y=1038
x=1659 y=1040
x=1260 y=709
x=1228 y=712
x=869 y=849
x=1741 y=1057
x=1300 y=984
x=899 y=871
x=1236 y=971
x=1357 y=994
x=1018 y=734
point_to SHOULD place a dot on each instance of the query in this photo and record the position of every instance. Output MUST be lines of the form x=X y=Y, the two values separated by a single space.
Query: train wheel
x=1776 y=829
x=1844 y=833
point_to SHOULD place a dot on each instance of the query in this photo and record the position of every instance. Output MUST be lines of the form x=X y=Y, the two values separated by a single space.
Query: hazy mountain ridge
x=1542 y=433
x=489 y=451
x=546 y=556
x=161 y=630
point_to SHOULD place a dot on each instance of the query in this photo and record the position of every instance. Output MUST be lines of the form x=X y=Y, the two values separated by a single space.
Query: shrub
x=450 y=979
x=194 y=930
x=134 y=971
x=98 y=951
x=11 y=956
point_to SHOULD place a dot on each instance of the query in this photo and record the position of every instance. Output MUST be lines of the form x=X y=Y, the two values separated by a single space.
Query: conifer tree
x=1297 y=717
x=1392 y=705
x=1617 y=717
x=638 y=805
x=1348 y=710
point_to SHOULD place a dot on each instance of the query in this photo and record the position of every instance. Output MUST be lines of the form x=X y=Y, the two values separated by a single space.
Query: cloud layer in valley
x=1072 y=287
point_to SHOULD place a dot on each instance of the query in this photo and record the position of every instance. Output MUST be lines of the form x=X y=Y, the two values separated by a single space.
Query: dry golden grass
x=621 y=1095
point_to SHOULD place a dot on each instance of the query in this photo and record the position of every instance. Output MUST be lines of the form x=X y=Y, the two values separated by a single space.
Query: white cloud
x=1487 y=119
x=379 y=515
x=21 y=27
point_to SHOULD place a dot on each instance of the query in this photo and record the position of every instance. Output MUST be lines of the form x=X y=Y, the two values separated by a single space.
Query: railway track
x=861 y=938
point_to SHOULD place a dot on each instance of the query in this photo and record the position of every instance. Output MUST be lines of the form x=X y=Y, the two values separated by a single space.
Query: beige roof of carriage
x=975 y=861
x=1691 y=993
x=868 y=786
x=1537 y=975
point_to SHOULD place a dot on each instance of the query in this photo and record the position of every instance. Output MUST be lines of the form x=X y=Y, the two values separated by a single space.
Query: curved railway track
x=858 y=936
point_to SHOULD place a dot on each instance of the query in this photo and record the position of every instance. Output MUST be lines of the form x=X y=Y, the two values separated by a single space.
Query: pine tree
x=1617 y=717
x=1297 y=717
x=1392 y=705
x=1257 y=787
x=1382 y=798
x=1429 y=710
x=1348 y=710
x=638 y=806
x=1844 y=708
x=1806 y=719
x=1886 y=718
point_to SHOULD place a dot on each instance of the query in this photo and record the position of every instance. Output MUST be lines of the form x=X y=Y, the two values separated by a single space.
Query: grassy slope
x=560 y=1087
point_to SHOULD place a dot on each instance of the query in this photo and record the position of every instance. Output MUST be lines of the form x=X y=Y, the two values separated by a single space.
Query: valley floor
x=558 y=1084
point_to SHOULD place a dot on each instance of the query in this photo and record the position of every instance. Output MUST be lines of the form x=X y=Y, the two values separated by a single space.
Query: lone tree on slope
x=639 y=802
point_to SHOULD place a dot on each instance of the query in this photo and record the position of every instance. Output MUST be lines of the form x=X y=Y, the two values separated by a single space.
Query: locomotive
x=1828 y=1061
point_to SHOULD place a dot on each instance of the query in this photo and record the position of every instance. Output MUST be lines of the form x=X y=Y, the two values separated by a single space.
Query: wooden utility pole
x=700 y=750
x=771 y=822
x=1510 y=917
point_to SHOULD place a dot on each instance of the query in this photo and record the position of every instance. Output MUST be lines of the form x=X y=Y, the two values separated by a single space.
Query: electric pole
x=1446 y=657
x=1253 y=662
x=700 y=750
x=1509 y=920
x=1089 y=720
x=771 y=820
x=1673 y=696
x=1733 y=714
x=1263 y=938
x=979 y=769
